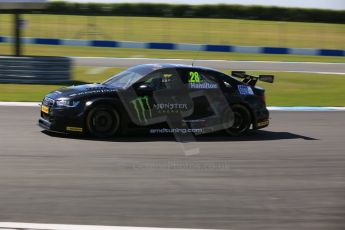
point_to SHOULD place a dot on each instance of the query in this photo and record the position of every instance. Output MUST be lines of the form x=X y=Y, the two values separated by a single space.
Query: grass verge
x=182 y=30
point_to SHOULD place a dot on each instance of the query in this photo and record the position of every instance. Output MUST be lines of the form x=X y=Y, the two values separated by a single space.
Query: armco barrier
x=40 y=70
x=177 y=46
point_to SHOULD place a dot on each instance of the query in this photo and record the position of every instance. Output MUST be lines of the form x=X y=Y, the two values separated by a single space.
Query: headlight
x=65 y=102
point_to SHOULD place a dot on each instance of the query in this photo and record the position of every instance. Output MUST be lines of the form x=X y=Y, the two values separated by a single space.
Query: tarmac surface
x=289 y=176
x=309 y=67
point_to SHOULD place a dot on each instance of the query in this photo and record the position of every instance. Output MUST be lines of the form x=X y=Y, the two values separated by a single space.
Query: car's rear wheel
x=242 y=121
x=103 y=121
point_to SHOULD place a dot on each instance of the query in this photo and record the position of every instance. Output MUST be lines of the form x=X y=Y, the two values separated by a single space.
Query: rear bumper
x=262 y=119
x=262 y=124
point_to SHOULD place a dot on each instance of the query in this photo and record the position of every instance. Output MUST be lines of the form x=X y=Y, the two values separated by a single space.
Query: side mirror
x=144 y=87
x=266 y=78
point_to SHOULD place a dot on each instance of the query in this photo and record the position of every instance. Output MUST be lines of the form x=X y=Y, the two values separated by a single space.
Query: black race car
x=160 y=98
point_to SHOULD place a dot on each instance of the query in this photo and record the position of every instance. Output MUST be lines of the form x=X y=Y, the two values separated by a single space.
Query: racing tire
x=242 y=121
x=103 y=122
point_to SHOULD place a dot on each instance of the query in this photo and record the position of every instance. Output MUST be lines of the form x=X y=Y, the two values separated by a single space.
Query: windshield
x=123 y=80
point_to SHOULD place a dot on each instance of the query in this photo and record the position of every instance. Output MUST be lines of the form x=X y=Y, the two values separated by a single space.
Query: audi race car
x=159 y=97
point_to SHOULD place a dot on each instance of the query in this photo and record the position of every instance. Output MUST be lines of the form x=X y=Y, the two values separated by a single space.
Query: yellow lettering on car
x=45 y=109
x=263 y=123
x=74 y=129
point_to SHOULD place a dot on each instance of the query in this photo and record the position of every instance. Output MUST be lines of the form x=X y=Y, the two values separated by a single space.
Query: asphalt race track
x=290 y=176
x=310 y=67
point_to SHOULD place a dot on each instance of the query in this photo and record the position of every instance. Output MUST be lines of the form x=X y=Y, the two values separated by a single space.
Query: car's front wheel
x=242 y=121
x=103 y=121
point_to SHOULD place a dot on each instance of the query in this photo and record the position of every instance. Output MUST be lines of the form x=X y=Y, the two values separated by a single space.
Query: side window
x=171 y=79
x=163 y=79
x=210 y=77
x=227 y=81
x=155 y=80
x=220 y=78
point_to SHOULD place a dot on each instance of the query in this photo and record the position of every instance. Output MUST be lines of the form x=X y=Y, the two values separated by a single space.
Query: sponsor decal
x=176 y=130
x=245 y=90
x=170 y=107
x=194 y=77
x=94 y=92
x=142 y=108
x=195 y=82
x=203 y=85
x=45 y=109
x=263 y=123
x=144 y=111
x=74 y=129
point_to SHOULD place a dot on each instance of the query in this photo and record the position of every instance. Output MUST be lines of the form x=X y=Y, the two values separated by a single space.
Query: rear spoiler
x=251 y=80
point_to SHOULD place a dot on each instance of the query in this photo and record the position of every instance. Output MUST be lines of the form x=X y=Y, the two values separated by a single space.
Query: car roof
x=147 y=68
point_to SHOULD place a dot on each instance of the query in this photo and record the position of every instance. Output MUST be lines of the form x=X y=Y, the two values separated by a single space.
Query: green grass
x=33 y=92
x=297 y=89
x=183 y=30
x=22 y=92
x=289 y=89
x=47 y=50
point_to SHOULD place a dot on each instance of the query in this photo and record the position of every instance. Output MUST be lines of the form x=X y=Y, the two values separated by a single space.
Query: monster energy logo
x=139 y=105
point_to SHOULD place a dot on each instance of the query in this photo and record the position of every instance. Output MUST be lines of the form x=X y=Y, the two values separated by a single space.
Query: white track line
x=304 y=108
x=33 y=226
x=20 y=104
x=271 y=108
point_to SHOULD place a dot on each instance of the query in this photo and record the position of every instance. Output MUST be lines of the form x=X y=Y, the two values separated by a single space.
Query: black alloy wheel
x=103 y=122
x=242 y=121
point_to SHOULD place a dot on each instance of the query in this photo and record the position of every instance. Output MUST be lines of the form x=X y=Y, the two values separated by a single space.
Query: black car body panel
x=65 y=110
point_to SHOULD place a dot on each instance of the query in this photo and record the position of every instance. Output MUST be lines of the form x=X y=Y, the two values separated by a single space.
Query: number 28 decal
x=194 y=77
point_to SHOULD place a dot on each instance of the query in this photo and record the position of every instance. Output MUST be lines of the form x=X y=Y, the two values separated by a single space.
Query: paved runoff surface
x=289 y=176
x=308 y=67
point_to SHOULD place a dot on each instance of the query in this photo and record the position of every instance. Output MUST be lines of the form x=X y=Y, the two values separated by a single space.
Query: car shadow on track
x=258 y=135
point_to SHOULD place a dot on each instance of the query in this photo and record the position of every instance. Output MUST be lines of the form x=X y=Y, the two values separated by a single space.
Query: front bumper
x=63 y=121
x=44 y=124
x=50 y=126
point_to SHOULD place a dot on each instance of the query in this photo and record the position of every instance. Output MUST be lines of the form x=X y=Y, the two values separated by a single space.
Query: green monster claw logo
x=139 y=105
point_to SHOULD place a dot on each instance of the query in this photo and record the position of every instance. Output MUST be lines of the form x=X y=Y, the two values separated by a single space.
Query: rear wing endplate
x=252 y=80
